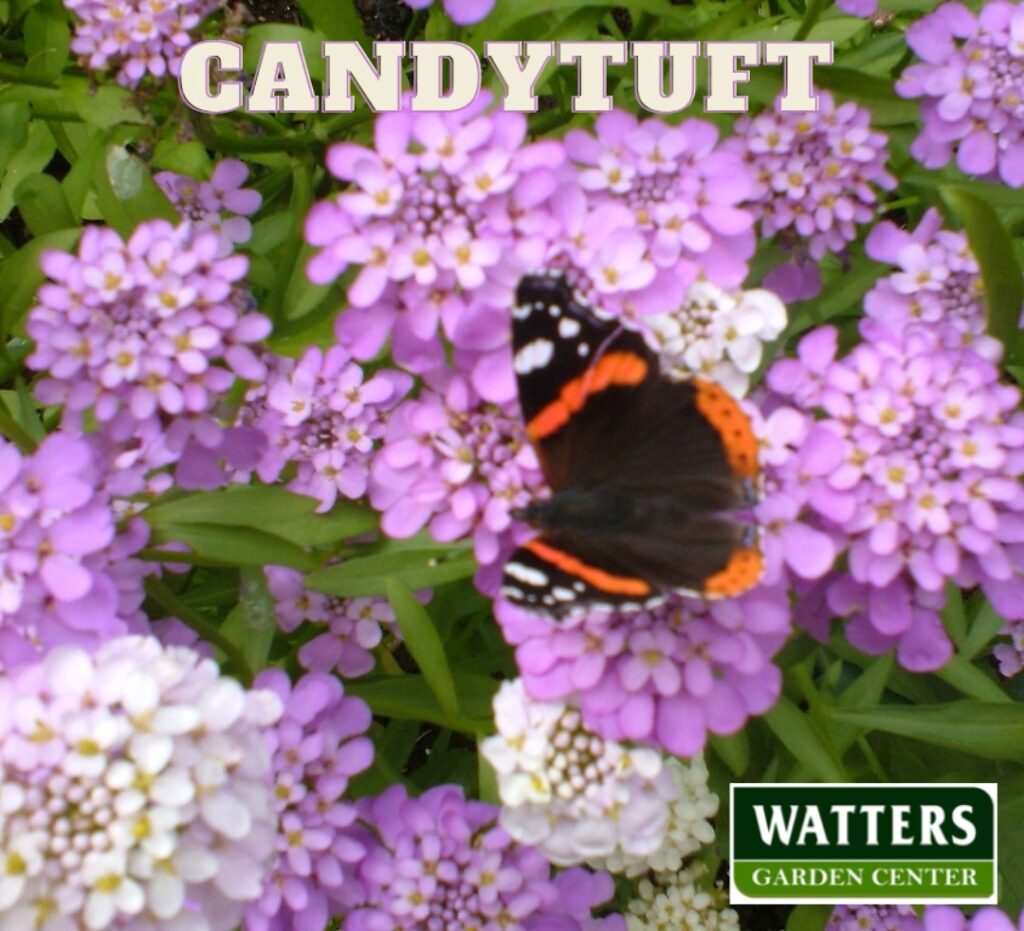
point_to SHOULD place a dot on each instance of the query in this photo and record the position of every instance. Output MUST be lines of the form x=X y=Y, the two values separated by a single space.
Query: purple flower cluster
x=316 y=747
x=937 y=288
x=904 y=918
x=457 y=465
x=323 y=417
x=874 y=918
x=461 y=12
x=816 y=179
x=136 y=37
x=220 y=204
x=64 y=572
x=146 y=334
x=426 y=216
x=1010 y=656
x=683 y=195
x=668 y=676
x=971 y=79
x=354 y=626
x=440 y=861
x=912 y=467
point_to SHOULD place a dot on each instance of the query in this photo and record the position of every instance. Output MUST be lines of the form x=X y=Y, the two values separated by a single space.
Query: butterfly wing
x=565 y=358
x=679 y=452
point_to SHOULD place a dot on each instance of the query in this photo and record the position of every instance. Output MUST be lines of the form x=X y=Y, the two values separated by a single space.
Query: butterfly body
x=647 y=474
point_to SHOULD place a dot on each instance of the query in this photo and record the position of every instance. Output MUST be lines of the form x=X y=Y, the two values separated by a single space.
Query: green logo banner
x=872 y=843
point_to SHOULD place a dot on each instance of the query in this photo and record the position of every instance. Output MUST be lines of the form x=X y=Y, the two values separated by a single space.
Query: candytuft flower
x=572 y=795
x=441 y=860
x=324 y=416
x=135 y=37
x=64 y=572
x=716 y=334
x=685 y=900
x=816 y=180
x=665 y=676
x=317 y=745
x=146 y=334
x=456 y=465
x=220 y=204
x=969 y=79
x=914 y=465
x=135 y=791
x=354 y=625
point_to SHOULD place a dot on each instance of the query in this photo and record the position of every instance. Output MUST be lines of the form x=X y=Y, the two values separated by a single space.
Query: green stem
x=416 y=24
x=240 y=145
x=18 y=76
x=172 y=556
x=814 y=10
x=874 y=764
x=157 y=590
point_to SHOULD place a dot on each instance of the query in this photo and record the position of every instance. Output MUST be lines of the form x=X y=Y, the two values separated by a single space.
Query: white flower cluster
x=133 y=792
x=689 y=824
x=568 y=792
x=717 y=334
x=680 y=902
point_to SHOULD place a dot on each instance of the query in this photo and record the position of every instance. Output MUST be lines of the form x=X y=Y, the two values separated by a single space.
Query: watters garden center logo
x=873 y=844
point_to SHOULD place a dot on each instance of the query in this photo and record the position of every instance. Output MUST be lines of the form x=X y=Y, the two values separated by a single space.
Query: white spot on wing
x=583 y=349
x=526 y=574
x=534 y=355
x=567 y=327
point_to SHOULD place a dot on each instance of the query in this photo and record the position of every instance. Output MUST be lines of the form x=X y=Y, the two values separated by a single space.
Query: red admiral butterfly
x=642 y=469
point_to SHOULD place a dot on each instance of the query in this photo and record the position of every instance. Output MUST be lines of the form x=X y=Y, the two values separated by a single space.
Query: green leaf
x=369 y=575
x=339 y=21
x=1000 y=271
x=14 y=119
x=231 y=546
x=954 y=617
x=236 y=506
x=984 y=628
x=186 y=158
x=809 y=917
x=410 y=698
x=21 y=276
x=969 y=680
x=42 y=204
x=102 y=105
x=126 y=194
x=796 y=733
x=488 y=780
x=47 y=39
x=252 y=623
x=283 y=513
x=997 y=195
x=258 y=36
x=733 y=750
x=424 y=643
x=988 y=729
x=28 y=161
x=866 y=689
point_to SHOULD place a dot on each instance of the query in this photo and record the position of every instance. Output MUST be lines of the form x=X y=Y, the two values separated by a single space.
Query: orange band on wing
x=615 y=368
x=598 y=578
x=724 y=413
x=742 y=572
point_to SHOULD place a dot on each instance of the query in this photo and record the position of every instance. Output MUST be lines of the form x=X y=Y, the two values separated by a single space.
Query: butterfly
x=647 y=474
